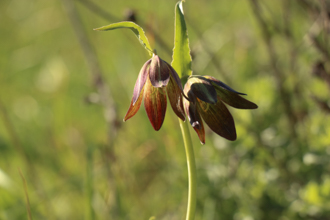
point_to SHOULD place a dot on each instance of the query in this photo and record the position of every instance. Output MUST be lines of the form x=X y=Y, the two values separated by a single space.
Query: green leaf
x=181 y=52
x=138 y=31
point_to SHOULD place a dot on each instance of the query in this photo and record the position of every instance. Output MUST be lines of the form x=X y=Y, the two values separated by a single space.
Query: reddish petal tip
x=196 y=125
x=231 y=138
x=156 y=129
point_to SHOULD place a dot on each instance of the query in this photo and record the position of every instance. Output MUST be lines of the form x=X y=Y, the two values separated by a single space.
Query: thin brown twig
x=216 y=62
x=28 y=206
x=288 y=33
x=323 y=105
x=311 y=7
x=110 y=113
x=278 y=74
x=12 y=133
x=321 y=15
x=28 y=164
x=321 y=48
x=98 y=10
x=293 y=50
x=325 y=23
x=94 y=68
x=111 y=18
x=320 y=72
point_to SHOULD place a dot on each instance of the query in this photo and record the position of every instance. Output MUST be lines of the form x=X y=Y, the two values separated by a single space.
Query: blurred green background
x=64 y=90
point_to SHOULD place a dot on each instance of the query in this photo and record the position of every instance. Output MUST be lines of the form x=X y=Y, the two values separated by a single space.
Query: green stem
x=191 y=170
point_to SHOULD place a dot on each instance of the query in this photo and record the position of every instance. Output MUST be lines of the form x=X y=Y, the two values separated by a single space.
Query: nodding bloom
x=155 y=79
x=207 y=96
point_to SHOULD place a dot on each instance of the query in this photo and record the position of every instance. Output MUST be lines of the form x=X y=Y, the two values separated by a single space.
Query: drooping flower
x=155 y=79
x=207 y=96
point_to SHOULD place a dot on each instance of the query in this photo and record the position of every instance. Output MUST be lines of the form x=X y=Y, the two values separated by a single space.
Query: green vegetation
x=64 y=89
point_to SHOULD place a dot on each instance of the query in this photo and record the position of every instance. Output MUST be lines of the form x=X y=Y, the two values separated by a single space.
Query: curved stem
x=191 y=170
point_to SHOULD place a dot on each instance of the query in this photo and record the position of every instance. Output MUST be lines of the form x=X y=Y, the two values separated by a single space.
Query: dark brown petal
x=222 y=85
x=155 y=104
x=175 y=76
x=234 y=100
x=187 y=90
x=193 y=116
x=175 y=96
x=133 y=108
x=200 y=132
x=195 y=119
x=159 y=72
x=202 y=89
x=218 y=118
x=140 y=81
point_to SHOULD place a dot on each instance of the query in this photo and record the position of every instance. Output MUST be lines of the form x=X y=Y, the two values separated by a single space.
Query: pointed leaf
x=138 y=31
x=181 y=51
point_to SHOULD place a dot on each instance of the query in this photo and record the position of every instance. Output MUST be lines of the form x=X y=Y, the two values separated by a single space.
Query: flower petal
x=201 y=132
x=222 y=85
x=155 y=104
x=234 y=100
x=141 y=80
x=195 y=119
x=218 y=118
x=202 y=89
x=175 y=96
x=159 y=72
x=230 y=96
x=133 y=108
x=176 y=77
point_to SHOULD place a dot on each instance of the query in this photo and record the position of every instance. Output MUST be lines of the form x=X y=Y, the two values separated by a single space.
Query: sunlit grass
x=53 y=129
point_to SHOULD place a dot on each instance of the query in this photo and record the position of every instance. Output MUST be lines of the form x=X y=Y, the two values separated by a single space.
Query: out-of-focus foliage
x=61 y=123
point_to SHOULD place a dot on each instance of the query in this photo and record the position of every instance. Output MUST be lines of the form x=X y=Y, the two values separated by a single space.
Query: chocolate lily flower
x=155 y=79
x=207 y=96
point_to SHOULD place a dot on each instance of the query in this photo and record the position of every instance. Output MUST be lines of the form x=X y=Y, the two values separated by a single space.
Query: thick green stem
x=191 y=170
